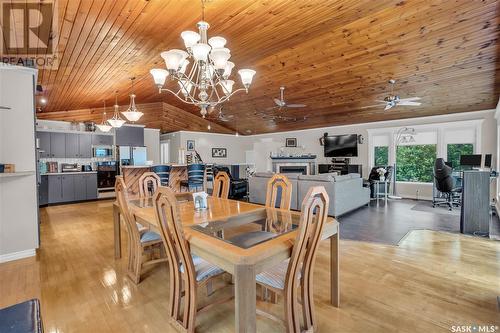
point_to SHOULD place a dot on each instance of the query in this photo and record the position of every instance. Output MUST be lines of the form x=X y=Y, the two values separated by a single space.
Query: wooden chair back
x=148 y=180
x=313 y=216
x=221 y=185
x=178 y=253
x=279 y=183
x=122 y=199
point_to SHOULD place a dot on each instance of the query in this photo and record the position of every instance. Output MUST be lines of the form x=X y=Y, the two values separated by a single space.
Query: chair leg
x=138 y=265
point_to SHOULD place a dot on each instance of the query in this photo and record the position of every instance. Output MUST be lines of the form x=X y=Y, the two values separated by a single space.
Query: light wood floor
x=432 y=281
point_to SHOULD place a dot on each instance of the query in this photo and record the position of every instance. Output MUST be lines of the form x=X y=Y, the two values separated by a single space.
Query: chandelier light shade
x=116 y=121
x=159 y=76
x=103 y=126
x=202 y=72
x=246 y=76
x=173 y=59
x=190 y=38
x=132 y=114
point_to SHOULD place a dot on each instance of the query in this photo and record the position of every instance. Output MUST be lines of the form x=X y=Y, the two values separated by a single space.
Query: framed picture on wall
x=291 y=142
x=219 y=152
x=190 y=145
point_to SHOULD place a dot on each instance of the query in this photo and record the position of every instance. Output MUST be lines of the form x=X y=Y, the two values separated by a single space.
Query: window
x=415 y=163
x=381 y=155
x=454 y=150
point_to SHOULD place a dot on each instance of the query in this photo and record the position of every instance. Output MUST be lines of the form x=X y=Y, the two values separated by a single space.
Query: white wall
x=308 y=142
x=18 y=194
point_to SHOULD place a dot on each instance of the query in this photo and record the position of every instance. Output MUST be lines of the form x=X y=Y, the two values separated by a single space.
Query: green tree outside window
x=415 y=163
x=454 y=150
x=381 y=155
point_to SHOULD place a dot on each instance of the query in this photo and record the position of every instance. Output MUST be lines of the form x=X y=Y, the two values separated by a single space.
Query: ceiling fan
x=279 y=118
x=222 y=117
x=394 y=100
x=281 y=103
x=4 y=108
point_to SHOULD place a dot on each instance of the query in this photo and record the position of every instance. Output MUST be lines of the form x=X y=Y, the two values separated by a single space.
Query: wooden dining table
x=210 y=233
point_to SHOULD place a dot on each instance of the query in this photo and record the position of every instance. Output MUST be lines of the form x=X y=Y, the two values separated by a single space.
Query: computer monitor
x=487 y=160
x=471 y=160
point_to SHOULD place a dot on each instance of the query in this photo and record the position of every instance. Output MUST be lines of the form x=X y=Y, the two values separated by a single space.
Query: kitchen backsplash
x=80 y=161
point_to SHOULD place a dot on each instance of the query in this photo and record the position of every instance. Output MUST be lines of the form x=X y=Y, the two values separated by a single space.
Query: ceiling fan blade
x=4 y=108
x=278 y=102
x=272 y=108
x=296 y=105
x=409 y=103
x=410 y=99
x=372 y=106
x=380 y=101
x=388 y=106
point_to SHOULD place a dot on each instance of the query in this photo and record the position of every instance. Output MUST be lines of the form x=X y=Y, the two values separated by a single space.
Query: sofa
x=346 y=192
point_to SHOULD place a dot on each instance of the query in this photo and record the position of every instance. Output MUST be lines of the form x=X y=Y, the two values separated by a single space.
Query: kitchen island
x=132 y=173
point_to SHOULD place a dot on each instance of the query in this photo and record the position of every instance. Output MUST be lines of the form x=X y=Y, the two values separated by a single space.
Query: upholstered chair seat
x=204 y=269
x=275 y=276
x=150 y=236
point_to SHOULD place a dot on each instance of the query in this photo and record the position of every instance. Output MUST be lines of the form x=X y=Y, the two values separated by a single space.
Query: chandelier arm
x=176 y=95
x=225 y=98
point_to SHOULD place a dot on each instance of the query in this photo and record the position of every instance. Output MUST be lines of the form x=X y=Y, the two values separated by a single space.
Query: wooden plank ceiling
x=335 y=56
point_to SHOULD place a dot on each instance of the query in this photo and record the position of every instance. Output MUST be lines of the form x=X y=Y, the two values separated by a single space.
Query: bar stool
x=163 y=171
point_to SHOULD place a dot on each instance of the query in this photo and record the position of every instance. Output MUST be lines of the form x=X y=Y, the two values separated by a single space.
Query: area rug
x=426 y=206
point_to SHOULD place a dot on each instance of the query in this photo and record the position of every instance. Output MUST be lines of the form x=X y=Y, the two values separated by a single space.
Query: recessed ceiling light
x=43 y=100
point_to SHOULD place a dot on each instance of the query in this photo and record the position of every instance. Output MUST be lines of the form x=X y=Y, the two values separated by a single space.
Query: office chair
x=445 y=184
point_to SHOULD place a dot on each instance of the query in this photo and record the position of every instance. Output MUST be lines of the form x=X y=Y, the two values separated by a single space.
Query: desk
x=242 y=263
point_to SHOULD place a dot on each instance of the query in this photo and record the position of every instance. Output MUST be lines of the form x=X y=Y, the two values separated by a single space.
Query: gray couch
x=346 y=192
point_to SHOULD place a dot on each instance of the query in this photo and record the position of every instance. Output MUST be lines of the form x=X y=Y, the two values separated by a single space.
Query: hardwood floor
x=428 y=283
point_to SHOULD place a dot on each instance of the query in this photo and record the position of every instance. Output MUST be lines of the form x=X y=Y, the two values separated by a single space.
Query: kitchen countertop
x=135 y=166
x=66 y=173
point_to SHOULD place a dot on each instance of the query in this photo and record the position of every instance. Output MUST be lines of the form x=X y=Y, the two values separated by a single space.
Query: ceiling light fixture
x=116 y=121
x=132 y=114
x=206 y=83
x=103 y=126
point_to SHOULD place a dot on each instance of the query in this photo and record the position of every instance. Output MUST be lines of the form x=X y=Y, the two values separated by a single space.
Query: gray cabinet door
x=44 y=144
x=43 y=191
x=72 y=147
x=80 y=187
x=130 y=136
x=68 y=188
x=102 y=140
x=91 y=186
x=55 y=189
x=57 y=145
x=85 y=145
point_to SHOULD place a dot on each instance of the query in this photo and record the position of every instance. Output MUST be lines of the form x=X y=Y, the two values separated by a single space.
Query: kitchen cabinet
x=55 y=190
x=91 y=186
x=58 y=145
x=78 y=145
x=102 y=140
x=68 y=188
x=84 y=145
x=130 y=136
x=71 y=187
x=80 y=187
x=71 y=144
x=43 y=191
x=43 y=144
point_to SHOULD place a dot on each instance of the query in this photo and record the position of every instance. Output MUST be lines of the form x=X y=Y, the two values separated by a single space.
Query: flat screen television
x=341 y=145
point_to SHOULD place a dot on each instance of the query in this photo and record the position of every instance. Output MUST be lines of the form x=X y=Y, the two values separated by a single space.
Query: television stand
x=341 y=166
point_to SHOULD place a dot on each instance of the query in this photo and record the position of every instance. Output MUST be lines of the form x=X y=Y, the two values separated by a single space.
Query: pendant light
x=103 y=126
x=116 y=121
x=132 y=114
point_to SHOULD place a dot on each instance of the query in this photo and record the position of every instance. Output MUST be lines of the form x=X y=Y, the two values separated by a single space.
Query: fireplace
x=293 y=169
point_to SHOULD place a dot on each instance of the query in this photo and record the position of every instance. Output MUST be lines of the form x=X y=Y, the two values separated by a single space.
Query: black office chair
x=238 y=187
x=445 y=184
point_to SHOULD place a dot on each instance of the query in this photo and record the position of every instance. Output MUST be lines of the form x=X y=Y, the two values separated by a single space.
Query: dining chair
x=163 y=171
x=187 y=272
x=140 y=241
x=221 y=185
x=297 y=272
x=148 y=183
x=279 y=188
x=196 y=177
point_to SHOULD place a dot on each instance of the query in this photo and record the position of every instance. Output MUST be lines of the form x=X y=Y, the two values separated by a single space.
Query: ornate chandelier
x=206 y=83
